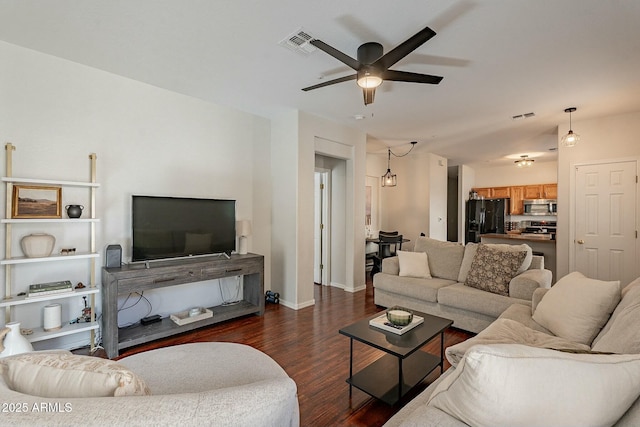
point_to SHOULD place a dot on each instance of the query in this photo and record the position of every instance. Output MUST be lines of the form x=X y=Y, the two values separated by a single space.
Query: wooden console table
x=137 y=278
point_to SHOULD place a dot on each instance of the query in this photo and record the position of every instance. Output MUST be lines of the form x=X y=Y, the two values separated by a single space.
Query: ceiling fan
x=372 y=67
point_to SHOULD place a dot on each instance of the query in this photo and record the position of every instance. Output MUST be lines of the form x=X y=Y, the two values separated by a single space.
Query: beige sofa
x=445 y=293
x=197 y=384
x=518 y=372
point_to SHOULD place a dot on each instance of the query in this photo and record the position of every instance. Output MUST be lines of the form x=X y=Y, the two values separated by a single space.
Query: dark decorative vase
x=74 y=211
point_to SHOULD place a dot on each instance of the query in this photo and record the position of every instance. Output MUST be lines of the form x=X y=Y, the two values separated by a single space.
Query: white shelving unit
x=10 y=299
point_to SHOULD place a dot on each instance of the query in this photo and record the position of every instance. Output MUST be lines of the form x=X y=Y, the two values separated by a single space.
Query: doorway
x=604 y=243
x=322 y=217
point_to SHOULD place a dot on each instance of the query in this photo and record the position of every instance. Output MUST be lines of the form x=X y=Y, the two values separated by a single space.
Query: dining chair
x=388 y=246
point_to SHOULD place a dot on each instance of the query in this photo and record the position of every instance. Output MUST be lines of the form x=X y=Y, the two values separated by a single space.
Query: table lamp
x=243 y=229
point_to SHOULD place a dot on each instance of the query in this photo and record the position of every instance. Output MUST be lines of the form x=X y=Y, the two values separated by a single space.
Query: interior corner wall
x=148 y=141
x=602 y=139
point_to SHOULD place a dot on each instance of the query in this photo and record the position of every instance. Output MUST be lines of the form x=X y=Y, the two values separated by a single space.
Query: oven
x=540 y=207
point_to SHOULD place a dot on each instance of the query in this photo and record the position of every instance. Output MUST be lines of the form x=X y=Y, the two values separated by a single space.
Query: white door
x=605 y=221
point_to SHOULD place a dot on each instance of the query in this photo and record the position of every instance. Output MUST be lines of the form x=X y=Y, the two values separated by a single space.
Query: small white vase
x=37 y=245
x=14 y=342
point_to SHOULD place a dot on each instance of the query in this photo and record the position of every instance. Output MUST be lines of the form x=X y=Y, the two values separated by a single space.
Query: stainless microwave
x=540 y=207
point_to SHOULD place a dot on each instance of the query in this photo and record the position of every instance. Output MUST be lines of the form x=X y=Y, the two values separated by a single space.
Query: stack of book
x=41 y=289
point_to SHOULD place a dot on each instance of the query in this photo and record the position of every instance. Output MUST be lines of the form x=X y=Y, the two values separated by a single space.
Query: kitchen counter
x=532 y=237
x=546 y=247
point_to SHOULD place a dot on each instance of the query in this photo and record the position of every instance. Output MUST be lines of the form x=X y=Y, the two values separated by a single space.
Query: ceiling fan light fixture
x=524 y=161
x=369 y=80
x=571 y=138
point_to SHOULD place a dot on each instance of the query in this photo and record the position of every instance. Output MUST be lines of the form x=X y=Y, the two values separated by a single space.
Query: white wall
x=296 y=138
x=508 y=175
x=418 y=204
x=148 y=141
x=606 y=138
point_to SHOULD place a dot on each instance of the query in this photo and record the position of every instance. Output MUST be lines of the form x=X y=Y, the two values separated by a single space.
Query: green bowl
x=399 y=316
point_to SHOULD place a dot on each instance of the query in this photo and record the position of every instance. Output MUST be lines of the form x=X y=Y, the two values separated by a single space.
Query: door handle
x=580 y=242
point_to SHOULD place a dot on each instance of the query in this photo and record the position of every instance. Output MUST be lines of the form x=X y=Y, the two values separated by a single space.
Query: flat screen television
x=174 y=227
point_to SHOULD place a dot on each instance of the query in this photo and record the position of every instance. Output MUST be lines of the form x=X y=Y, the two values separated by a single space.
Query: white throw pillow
x=577 y=307
x=516 y=385
x=414 y=264
x=66 y=375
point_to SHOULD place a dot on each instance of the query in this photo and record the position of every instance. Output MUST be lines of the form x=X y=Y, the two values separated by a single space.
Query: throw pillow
x=492 y=269
x=470 y=250
x=66 y=375
x=414 y=264
x=577 y=307
x=621 y=333
x=516 y=385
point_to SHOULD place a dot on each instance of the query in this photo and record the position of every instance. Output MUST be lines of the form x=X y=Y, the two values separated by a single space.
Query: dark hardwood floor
x=306 y=343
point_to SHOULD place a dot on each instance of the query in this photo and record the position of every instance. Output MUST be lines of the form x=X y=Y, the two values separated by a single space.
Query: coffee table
x=412 y=366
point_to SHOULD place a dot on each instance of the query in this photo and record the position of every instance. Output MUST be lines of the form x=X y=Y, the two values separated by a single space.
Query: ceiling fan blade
x=405 y=76
x=344 y=58
x=369 y=94
x=331 y=82
x=404 y=48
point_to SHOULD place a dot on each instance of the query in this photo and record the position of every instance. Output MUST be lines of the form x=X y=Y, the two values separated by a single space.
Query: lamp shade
x=243 y=227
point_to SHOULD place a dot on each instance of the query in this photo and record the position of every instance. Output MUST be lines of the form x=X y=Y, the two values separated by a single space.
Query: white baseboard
x=298 y=306
x=358 y=289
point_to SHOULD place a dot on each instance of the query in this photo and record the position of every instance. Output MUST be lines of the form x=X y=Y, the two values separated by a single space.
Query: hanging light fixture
x=524 y=161
x=571 y=138
x=389 y=179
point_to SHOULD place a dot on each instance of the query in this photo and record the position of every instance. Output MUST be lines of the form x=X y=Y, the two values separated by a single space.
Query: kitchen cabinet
x=533 y=191
x=484 y=192
x=517 y=193
x=549 y=191
x=541 y=191
x=517 y=196
x=501 y=192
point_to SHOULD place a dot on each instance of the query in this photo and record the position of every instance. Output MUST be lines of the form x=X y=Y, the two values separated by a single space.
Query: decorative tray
x=381 y=322
x=183 y=317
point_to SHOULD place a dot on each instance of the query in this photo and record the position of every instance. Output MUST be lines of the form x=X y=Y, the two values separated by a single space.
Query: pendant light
x=524 y=161
x=389 y=179
x=571 y=138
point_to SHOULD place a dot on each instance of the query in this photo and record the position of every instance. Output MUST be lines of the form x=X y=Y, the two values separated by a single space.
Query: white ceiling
x=499 y=58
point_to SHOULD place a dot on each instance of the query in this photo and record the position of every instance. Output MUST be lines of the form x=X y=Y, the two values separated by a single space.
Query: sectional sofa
x=571 y=358
x=444 y=290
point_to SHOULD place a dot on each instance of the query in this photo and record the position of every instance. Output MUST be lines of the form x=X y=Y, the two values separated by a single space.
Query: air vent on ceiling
x=299 y=41
x=523 y=116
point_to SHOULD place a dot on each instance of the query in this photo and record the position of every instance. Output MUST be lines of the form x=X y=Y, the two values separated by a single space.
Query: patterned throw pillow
x=493 y=269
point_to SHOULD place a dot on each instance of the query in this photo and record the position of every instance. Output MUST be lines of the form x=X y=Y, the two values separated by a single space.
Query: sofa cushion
x=66 y=375
x=522 y=314
x=577 y=307
x=411 y=287
x=445 y=258
x=493 y=268
x=475 y=300
x=546 y=387
x=621 y=333
x=414 y=264
x=507 y=331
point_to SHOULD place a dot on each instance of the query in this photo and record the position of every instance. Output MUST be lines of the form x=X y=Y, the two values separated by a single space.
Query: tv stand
x=140 y=277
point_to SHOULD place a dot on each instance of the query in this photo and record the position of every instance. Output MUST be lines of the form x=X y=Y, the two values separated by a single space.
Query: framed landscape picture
x=36 y=201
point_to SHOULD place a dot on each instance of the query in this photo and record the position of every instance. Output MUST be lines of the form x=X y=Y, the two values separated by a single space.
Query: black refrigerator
x=485 y=216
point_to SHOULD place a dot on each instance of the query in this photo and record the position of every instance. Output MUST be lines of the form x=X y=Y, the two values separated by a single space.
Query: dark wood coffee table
x=412 y=366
